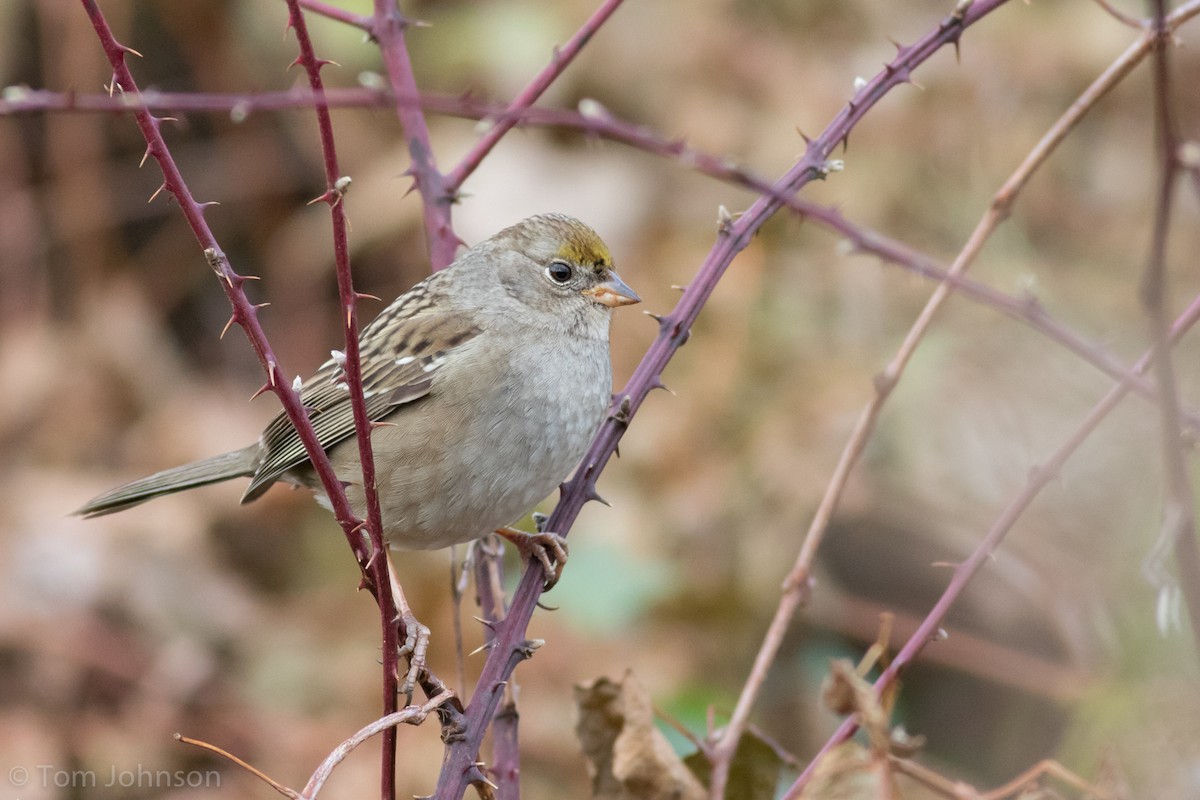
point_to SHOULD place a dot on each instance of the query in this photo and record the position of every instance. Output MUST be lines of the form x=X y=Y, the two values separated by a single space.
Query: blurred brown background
x=241 y=626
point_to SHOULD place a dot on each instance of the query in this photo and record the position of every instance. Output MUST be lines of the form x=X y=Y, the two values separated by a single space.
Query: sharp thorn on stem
x=592 y=494
x=481 y=648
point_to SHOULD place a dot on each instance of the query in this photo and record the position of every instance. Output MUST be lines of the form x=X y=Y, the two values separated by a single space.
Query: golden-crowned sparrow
x=492 y=374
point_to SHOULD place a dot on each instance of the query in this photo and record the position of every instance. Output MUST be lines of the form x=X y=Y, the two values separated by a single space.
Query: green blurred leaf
x=754 y=773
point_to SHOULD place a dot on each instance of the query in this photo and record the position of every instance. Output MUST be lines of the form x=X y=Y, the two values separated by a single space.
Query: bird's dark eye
x=559 y=272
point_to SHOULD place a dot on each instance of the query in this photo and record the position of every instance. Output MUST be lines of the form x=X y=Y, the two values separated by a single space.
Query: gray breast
x=496 y=436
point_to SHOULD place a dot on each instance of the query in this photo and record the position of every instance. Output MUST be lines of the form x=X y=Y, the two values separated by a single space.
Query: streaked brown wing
x=397 y=368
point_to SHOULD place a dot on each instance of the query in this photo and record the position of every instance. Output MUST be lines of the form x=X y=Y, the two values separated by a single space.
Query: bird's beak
x=612 y=293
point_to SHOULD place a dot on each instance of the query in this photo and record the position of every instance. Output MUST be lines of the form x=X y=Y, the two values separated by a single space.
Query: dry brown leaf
x=628 y=757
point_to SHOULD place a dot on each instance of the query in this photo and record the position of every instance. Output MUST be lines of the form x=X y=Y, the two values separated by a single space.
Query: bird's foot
x=548 y=548
x=416 y=635
x=414 y=649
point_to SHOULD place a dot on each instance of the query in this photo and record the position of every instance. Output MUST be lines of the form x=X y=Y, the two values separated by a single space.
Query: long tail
x=198 y=473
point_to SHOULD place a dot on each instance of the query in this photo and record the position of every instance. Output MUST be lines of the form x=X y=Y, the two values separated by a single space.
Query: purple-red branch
x=245 y=314
x=387 y=29
x=505 y=121
x=335 y=196
x=339 y=14
x=459 y=767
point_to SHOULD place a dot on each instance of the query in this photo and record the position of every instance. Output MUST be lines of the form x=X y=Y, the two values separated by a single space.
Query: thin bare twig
x=1179 y=507
x=262 y=776
x=957 y=790
x=927 y=631
x=1120 y=16
x=409 y=715
x=1052 y=768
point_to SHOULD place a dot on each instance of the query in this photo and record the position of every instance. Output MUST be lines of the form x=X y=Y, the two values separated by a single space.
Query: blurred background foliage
x=241 y=626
